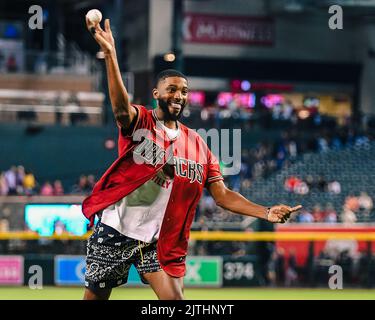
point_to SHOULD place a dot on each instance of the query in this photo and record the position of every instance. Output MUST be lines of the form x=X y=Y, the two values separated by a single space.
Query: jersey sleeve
x=214 y=173
x=125 y=136
x=138 y=122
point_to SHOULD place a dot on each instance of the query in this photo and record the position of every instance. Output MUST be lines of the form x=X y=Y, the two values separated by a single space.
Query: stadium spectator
x=78 y=116
x=239 y=248
x=271 y=269
x=310 y=181
x=322 y=145
x=58 y=102
x=280 y=267
x=90 y=182
x=4 y=227
x=352 y=203
x=202 y=224
x=207 y=206
x=334 y=187
x=361 y=140
x=82 y=186
x=4 y=189
x=330 y=214
x=345 y=261
x=305 y=217
x=291 y=183
x=321 y=264
x=58 y=189
x=46 y=189
x=2 y=64
x=11 y=180
x=365 y=204
x=280 y=158
x=336 y=143
x=322 y=184
x=348 y=216
x=291 y=275
x=318 y=213
x=11 y=63
x=29 y=183
x=20 y=176
x=364 y=261
x=245 y=184
x=301 y=188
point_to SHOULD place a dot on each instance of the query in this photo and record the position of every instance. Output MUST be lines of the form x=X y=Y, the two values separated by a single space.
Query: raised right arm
x=123 y=111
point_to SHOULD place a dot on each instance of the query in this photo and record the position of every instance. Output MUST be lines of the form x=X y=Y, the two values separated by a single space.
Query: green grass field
x=74 y=293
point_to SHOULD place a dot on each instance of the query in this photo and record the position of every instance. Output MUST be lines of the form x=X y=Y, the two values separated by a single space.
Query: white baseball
x=94 y=16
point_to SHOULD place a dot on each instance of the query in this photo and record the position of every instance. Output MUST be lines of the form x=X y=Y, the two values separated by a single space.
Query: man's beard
x=168 y=116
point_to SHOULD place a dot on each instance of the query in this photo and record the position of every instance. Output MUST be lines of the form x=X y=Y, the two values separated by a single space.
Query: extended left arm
x=236 y=203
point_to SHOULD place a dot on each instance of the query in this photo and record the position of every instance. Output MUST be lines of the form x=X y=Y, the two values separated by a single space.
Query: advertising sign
x=240 y=271
x=69 y=270
x=11 y=270
x=203 y=271
x=241 y=30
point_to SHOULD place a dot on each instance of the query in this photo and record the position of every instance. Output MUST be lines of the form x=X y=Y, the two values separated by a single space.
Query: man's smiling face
x=171 y=94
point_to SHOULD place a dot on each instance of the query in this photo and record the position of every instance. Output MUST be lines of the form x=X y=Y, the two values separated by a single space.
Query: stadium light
x=169 y=57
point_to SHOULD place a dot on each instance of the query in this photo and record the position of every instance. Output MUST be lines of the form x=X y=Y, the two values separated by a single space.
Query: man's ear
x=155 y=93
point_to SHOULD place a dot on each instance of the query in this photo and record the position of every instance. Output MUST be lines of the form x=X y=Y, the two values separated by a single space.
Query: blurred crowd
x=300 y=186
x=269 y=157
x=287 y=266
x=357 y=267
x=266 y=158
x=355 y=208
x=19 y=181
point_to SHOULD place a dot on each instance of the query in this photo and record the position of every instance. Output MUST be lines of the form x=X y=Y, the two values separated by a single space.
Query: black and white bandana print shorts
x=110 y=255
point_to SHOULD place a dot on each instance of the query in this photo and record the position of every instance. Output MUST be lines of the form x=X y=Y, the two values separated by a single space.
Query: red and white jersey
x=140 y=214
x=142 y=154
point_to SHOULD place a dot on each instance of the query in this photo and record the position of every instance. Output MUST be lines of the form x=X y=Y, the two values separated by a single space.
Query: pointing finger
x=296 y=208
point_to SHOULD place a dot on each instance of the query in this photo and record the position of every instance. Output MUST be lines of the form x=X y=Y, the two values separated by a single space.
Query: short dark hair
x=168 y=73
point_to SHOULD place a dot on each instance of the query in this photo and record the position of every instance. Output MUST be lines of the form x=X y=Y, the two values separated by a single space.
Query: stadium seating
x=352 y=167
x=42 y=99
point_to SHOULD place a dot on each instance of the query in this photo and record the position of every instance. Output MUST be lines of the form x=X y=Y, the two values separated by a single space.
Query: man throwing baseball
x=146 y=200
